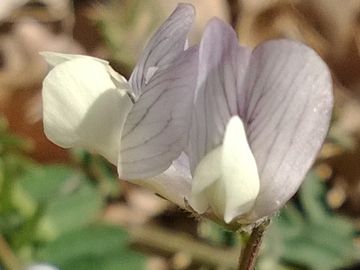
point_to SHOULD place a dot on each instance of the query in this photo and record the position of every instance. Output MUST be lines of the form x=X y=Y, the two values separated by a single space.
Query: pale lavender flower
x=260 y=117
x=257 y=120
x=140 y=125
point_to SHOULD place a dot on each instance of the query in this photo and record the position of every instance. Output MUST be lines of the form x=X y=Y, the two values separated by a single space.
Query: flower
x=139 y=125
x=260 y=117
x=220 y=130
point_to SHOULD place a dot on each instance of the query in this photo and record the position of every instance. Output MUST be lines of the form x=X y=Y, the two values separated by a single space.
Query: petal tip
x=186 y=7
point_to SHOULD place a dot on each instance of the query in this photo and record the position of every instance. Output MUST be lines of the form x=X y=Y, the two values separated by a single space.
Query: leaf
x=73 y=211
x=44 y=183
x=91 y=248
x=311 y=236
x=68 y=199
x=312 y=199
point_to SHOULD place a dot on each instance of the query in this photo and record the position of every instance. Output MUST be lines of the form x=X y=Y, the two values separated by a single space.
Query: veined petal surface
x=286 y=103
x=174 y=184
x=85 y=106
x=156 y=130
x=222 y=67
x=164 y=47
x=284 y=98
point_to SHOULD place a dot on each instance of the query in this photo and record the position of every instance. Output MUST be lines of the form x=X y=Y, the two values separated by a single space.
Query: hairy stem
x=250 y=252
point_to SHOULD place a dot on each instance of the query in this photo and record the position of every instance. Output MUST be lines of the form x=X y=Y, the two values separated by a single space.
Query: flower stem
x=250 y=252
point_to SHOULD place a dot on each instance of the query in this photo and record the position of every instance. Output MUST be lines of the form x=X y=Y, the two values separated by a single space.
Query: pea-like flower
x=139 y=125
x=247 y=124
x=260 y=117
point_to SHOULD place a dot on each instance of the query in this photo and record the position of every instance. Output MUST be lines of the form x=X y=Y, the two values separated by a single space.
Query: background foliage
x=68 y=209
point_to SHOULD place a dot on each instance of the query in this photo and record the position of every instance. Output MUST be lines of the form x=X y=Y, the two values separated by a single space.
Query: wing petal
x=156 y=130
x=164 y=47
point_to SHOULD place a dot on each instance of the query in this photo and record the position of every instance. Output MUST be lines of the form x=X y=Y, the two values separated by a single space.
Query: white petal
x=288 y=103
x=165 y=46
x=54 y=59
x=84 y=106
x=206 y=174
x=239 y=171
x=155 y=132
x=226 y=179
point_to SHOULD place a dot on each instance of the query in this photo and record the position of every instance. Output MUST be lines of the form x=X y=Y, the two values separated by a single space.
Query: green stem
x=250 y=252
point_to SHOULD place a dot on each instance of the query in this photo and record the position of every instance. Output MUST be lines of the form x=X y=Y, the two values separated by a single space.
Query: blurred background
x=68 y=209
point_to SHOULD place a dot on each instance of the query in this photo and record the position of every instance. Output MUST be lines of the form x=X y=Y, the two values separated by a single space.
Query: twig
x=169 y=243
x=7 y=257
x=250 y=252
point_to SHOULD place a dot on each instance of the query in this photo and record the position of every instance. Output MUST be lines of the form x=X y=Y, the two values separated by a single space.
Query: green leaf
x=91 y=248
x=68 y=199
x=309 y=235
x=73 y=211
x=45 y=183
x=312 y=198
